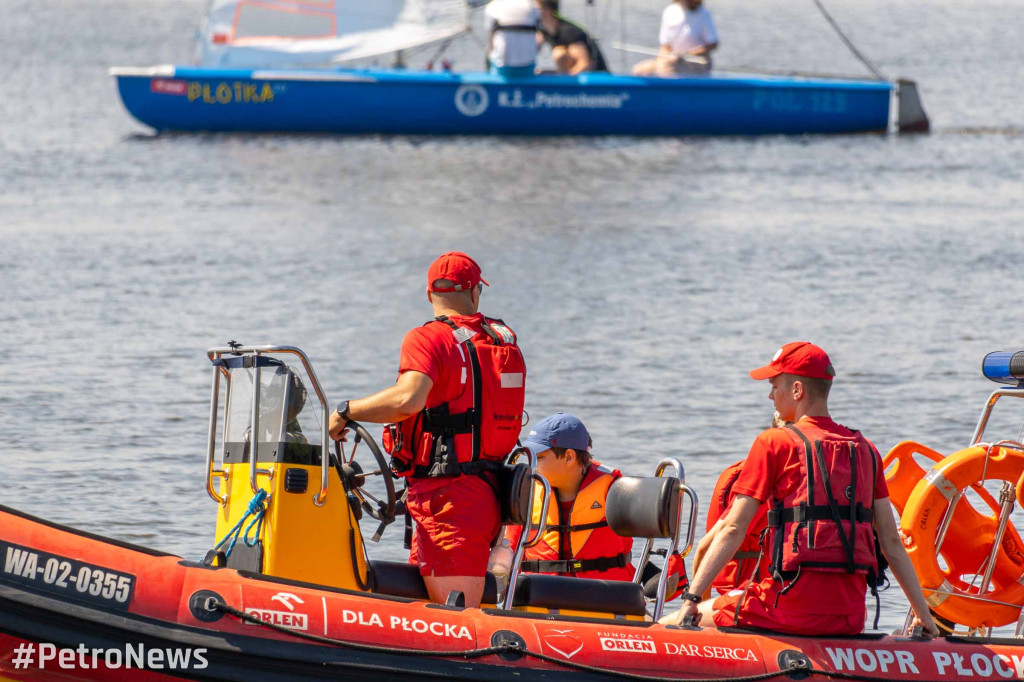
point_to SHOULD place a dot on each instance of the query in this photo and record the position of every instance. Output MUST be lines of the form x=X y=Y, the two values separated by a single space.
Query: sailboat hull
x=427 y=103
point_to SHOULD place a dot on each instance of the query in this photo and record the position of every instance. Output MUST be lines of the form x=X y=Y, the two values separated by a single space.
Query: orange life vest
x=825 y=523
x=741 y=567
x=473 y=432
x=596 y=550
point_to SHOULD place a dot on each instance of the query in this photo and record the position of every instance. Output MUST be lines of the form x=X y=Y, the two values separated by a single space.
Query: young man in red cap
x=824 y=485
x=457 y=409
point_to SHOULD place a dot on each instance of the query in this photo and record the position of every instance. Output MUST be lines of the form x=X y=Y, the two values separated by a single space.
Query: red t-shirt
x=771 y=471
x=430 y=349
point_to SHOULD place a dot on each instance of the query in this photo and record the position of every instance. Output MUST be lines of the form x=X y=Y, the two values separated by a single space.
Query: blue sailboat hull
x=429 y=103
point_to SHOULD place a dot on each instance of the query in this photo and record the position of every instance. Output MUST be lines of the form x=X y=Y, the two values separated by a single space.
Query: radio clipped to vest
x=473 y=432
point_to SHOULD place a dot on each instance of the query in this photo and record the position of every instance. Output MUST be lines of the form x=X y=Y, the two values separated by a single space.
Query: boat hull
x=427 y=103
x=50 y=595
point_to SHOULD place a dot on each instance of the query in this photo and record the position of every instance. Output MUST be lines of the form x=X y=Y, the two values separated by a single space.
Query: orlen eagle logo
x=471 y=100
x=286 y=619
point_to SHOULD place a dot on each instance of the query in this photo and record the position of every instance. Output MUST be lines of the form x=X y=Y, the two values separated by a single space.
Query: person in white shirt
x=512 y=26
x=687 y=37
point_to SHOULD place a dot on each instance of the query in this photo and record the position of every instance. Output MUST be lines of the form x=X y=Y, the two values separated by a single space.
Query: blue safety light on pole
x=1004 y=367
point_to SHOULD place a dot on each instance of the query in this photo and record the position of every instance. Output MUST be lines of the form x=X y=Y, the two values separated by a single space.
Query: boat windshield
x=289 y=424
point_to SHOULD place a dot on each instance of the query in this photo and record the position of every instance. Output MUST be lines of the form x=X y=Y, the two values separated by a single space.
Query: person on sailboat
x=457 y=407
x=512 y=37
x=572 y=48
x=687 y=38
x=826 y=488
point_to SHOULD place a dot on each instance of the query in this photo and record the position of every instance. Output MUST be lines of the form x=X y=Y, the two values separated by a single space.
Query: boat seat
x=402 y=579
x=565 y=593
x=643 y=507
x=515 y=484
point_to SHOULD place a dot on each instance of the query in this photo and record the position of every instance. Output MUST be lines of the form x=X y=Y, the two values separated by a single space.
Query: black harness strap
x=810 y=483
x=777 y=518
x=834 y=506
x=567 y=528
x=853 y=508
x=476 y=468
x=473 y=414
x=573 y=566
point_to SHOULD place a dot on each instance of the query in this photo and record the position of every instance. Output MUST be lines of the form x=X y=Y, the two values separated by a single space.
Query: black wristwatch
x=689 y=596
x=343 y=410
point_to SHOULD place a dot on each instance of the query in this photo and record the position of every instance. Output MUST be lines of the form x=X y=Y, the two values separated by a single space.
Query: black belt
x=565 y=528
x=572 y=566
x=481 y=466
x=438 y=423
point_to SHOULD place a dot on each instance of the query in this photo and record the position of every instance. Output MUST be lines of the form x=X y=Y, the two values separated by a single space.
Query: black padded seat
x=402 y=579
x=618 y=597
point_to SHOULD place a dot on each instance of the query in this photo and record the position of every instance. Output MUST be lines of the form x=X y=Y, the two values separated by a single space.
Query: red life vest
x=741 y=567
x=825 y=523
x=595 y=550
x=476 y=430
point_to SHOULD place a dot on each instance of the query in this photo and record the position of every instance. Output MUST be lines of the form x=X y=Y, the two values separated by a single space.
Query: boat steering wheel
x=353 y=477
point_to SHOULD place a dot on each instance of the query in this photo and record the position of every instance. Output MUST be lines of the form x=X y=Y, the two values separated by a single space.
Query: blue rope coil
x=257 y=509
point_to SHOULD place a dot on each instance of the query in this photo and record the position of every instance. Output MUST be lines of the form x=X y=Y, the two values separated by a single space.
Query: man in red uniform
x=825 y=487
x=458 y=406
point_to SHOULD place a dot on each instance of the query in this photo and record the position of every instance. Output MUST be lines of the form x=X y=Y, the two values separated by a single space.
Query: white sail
x=275 y=33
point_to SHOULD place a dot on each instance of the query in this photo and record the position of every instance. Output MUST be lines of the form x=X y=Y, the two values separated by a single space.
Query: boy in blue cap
x=577 y=540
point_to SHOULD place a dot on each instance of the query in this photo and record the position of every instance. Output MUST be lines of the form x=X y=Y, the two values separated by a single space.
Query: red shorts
x=758 y=610
x=456 y=521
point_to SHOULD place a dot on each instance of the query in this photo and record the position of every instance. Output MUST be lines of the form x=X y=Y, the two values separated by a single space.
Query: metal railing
x=212 y=471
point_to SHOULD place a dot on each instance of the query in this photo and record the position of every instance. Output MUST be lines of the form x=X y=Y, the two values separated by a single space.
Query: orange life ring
x=968 y=540
x=1020 y=491
x=902 y=472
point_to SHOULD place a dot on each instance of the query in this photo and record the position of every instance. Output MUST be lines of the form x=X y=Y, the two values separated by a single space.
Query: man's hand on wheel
x=338 y=426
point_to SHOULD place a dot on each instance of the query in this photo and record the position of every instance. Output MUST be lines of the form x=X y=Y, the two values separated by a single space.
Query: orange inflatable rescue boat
x=289 y=593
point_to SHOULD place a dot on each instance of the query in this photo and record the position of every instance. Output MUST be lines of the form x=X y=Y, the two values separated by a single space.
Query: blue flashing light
x=1004 y=367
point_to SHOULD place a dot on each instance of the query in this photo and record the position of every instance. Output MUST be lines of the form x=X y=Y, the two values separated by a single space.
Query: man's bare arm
x=395 y=403
x=723 y=547
x=899 y=563
x=578 y=51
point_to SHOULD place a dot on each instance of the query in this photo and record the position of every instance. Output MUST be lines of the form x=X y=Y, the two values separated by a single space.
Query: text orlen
x=639 y=646
x=286 y=619
x=981 y=664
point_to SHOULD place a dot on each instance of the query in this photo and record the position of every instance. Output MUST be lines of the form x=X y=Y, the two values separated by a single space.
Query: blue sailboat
x=261 y=69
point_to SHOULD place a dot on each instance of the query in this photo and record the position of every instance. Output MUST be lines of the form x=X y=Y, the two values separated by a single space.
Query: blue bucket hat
x=560 y=430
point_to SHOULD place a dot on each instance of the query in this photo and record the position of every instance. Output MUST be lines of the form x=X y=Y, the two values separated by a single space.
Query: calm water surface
x=645 y=277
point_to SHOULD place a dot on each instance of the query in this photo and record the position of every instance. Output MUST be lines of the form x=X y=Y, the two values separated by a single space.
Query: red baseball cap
x=801 y=358
x=456 y=267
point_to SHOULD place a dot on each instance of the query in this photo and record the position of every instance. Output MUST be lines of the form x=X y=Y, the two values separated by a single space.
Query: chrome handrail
x=215 y=353
x=212 y=470
x=986 y=412
x=645 y=555
x=517 y=556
